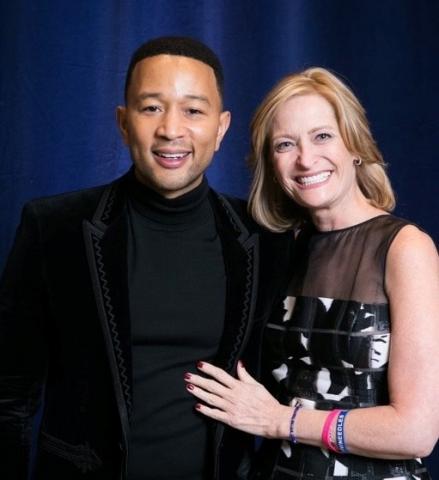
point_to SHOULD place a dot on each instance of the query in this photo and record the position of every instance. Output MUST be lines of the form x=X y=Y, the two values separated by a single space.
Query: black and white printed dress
x=330 y=348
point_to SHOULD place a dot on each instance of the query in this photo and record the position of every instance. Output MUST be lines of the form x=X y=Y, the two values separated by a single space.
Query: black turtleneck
x=177 y=304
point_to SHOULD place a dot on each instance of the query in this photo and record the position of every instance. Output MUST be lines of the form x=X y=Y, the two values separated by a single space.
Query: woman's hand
x=241 y=403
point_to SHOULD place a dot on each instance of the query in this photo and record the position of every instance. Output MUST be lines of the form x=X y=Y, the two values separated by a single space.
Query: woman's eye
x=283 y=146
x=323 y=136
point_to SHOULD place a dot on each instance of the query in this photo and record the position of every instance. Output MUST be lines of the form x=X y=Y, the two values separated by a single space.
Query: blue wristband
x=339 y=432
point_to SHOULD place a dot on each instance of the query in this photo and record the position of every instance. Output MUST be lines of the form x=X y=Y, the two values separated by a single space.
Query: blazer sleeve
x=23 y=342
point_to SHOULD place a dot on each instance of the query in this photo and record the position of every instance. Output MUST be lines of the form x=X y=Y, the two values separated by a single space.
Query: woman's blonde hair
x=268 y=204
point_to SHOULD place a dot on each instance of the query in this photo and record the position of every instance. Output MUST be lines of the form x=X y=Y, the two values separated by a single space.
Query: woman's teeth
x=319 y=178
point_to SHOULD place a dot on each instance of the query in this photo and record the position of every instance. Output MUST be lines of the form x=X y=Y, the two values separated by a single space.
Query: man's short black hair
x=183 y=46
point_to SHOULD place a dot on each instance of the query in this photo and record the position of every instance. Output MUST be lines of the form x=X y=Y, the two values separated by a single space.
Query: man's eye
x=150 y=108
x=194 y=111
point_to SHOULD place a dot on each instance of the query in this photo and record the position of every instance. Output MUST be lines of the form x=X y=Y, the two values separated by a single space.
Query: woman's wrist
x=280 y=428
x=308 y=426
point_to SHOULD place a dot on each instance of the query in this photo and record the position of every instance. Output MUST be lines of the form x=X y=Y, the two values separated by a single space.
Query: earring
x=358 y=161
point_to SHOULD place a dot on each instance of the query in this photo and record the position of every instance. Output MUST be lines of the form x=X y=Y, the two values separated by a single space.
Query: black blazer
x=65 y=333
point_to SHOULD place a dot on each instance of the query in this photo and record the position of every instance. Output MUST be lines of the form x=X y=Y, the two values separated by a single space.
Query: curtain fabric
x=63 y=65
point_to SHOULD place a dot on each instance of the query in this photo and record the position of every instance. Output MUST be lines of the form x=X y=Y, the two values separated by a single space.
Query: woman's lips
x=313 y=180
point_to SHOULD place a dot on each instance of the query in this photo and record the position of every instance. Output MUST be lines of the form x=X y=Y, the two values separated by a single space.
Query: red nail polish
x=187 y=376
x=197 y=406
x=190 y=386
x=241 y=364
x=200 y=365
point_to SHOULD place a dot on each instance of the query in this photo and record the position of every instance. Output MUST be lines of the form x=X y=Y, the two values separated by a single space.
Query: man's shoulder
x=79 y=202
x=239 y=208
x=238 y=205
x=68 y=197
x=235 y=209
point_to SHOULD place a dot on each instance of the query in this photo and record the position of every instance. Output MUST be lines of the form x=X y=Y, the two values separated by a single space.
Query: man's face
x=172 y=122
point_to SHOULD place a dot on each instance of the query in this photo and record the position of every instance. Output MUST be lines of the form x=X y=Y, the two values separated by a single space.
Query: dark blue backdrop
x=63 y=66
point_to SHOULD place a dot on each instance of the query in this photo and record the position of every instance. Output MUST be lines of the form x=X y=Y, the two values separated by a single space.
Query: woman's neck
x=352 y=211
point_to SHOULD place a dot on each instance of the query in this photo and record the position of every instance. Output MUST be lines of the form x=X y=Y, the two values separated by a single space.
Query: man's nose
x=171 y=125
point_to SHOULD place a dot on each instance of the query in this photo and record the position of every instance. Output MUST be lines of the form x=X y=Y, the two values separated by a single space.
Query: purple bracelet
x=296 y=408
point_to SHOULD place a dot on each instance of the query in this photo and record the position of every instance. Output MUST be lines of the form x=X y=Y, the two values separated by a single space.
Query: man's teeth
x=320 y=177
x=174 y=156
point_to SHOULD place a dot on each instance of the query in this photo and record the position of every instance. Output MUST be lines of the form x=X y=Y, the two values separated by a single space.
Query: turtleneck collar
x=184 y=211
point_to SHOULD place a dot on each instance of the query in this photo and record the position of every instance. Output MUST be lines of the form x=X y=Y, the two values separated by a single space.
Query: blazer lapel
x=106 y=243
x=241 y=258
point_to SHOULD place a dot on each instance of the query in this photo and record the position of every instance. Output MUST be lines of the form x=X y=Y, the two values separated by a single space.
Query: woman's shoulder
x=411 y=241
x=412 y=254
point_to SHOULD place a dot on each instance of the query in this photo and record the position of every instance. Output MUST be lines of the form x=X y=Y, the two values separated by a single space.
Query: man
x=110 y=295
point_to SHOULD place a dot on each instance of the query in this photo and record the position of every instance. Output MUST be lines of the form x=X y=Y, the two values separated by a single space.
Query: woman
x=348 y=402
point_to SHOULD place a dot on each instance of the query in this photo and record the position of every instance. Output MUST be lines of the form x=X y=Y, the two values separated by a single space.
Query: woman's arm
x=409 y=426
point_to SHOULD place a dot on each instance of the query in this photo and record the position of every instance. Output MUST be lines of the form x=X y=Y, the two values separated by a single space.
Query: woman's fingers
x=212 y=412
x=207 y=384
x=219 y=383
x=223 y=377
x=207 y=397
x=217 y=373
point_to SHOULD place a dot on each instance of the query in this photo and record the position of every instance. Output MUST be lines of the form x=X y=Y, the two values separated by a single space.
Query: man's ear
x=121 y=116
x=223 y=126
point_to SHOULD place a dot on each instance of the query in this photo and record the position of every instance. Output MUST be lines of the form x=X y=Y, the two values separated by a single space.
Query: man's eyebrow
x=145 y=95
x=158 y=96
x=201 y=98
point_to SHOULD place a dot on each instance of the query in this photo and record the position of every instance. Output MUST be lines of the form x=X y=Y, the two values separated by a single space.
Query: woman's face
x=310 y=160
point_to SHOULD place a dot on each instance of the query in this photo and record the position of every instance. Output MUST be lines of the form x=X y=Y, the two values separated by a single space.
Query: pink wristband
x=327 y=429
